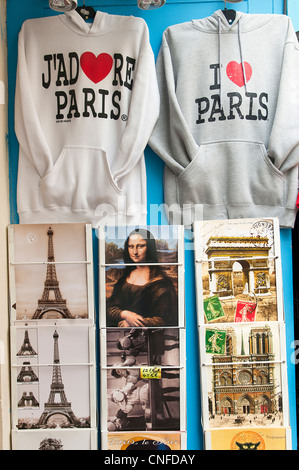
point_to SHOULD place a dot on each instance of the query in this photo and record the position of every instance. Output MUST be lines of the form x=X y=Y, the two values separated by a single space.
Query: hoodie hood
x=249 y=22
x=102 y=23
x=219 y=18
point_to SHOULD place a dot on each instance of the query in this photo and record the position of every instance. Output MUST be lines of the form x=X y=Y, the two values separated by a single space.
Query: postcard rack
x=241 y=329
x=53 y=366
x=143 y=374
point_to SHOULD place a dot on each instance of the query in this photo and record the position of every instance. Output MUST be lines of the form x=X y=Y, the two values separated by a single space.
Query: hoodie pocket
x=81 y=179
x=233 y=172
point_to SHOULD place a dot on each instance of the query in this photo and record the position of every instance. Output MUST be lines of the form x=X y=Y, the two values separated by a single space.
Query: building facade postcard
x=238 y=271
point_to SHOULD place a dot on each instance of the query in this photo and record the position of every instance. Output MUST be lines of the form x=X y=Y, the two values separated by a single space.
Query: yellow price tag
x=150 y=372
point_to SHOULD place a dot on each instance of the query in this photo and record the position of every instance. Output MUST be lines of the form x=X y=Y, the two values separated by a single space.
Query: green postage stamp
x=215 y=341
x=213 y=308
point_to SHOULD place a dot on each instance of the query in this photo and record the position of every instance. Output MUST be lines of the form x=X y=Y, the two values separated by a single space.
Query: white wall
x=4 y=221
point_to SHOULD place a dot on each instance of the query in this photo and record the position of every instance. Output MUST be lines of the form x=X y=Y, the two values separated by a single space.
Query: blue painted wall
x=173 y=12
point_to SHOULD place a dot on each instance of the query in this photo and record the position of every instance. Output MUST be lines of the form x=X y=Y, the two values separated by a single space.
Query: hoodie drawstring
x=241 y=54
x=220 y=54
x=220 y=63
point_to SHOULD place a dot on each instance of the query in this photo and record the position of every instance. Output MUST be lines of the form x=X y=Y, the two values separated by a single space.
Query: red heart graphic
x=96 y=68
x=235 y=72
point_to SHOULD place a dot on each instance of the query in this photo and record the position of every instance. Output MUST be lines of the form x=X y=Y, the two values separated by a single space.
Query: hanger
x=230 y=15
x=87 y=13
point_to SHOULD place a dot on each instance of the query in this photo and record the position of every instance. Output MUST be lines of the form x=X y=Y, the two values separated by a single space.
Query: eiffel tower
x=28 y=372
x=28 y=400
x=56 y=303
x=60 y=405
x=26 y=348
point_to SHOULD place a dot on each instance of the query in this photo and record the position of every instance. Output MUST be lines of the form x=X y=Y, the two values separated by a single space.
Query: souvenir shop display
x=53 y=352
x=241 y=330
x=142 y=337
x=219 y=107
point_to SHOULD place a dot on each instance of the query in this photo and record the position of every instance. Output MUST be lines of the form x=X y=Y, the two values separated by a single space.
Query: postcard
x=38 y=242
x=55 y=439
x=149 y=402
x=263 y=438
x=141 y=277
x=53 y=376
x=36 y=405
x=129 y=347
x=156 y=441
x=242 y=342
x=51 y=273
x=31 y=341
x=163 y=244
x=152 y=302
x=238 y=395
x=238 y=271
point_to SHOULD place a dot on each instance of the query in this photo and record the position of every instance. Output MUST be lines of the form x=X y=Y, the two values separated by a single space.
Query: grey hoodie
x=228 y=128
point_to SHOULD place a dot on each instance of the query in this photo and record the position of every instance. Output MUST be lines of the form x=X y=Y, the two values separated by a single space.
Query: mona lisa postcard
x=141 y=277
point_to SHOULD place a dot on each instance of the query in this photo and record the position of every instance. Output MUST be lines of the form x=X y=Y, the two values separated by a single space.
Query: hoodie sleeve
x=143 y=112
x=283 y=147
x=27 y=125
x=171 y=138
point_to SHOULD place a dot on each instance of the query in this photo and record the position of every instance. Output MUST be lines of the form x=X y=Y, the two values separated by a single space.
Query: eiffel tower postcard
x=51 y=272
x=53 y=378
x=55 y=439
